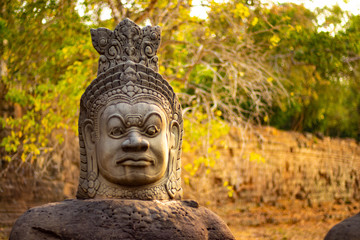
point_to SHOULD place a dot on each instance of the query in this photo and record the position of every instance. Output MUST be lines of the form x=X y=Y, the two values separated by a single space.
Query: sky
x=352 y=6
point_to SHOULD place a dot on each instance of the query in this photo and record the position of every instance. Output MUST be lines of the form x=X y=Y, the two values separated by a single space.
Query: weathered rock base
x=120 y=219
x=349 y=229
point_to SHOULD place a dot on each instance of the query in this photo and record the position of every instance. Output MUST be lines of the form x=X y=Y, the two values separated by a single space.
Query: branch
x=115 y=6
x=172 y=42
x=146 y=12
x=351 y=59
x=121 y=8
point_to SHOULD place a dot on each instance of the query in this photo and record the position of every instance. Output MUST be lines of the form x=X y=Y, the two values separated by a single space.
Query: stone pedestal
x=120 y=219
x=349 y=229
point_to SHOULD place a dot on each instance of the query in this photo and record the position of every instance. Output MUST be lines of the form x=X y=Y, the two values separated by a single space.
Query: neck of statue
x=155 y=191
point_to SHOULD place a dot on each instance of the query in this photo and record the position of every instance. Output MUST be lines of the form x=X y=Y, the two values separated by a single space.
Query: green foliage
x=202 y=140
x=246 y=63
x=49 y=62
x=318 y=65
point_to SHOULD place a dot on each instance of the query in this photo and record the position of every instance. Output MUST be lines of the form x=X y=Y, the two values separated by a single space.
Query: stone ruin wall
x=267 y=165
x=271 y=165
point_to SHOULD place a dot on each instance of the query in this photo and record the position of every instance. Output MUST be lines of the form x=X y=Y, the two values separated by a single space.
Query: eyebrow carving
x=148 y=115
x=115 y=116
x=134 y=119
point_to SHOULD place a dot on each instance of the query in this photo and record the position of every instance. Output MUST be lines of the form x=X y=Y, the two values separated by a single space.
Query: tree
x=317 y=68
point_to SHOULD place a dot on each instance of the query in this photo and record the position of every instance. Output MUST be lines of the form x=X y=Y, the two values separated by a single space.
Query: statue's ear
x=174 y=134
x=88 y=134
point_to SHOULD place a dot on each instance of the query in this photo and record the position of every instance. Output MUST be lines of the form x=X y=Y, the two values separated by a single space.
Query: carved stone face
x=133 y=144
x=130 y=122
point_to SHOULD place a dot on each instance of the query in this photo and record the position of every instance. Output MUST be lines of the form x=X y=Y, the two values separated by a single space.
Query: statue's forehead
x=129 y=109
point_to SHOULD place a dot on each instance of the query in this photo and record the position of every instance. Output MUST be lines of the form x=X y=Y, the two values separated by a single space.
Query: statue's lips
x=142 y=162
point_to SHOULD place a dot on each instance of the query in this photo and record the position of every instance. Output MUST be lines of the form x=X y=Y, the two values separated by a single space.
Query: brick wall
x=270 y=164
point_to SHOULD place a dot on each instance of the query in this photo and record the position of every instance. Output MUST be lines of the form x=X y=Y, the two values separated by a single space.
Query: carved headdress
x=127 y=71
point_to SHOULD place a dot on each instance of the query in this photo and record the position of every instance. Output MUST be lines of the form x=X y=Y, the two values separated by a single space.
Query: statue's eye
x=152 y=130
x=116 y=131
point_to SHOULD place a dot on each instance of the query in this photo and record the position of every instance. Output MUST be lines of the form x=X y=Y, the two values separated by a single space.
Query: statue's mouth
x=142 y=162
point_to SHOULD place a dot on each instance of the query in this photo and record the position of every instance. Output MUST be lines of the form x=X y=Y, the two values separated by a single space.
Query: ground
x=297 y=221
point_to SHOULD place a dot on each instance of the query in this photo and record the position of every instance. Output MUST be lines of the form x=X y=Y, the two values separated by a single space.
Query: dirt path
x=9 y=212
x=291 y=220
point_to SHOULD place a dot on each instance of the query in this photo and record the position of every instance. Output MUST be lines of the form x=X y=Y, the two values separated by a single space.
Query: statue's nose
x=135 y=142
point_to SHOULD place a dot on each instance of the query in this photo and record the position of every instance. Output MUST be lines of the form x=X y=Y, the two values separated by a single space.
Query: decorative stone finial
x=127 y=42
x=130 y=123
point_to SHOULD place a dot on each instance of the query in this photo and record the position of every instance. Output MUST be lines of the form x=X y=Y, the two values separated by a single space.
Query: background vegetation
x=247 y=63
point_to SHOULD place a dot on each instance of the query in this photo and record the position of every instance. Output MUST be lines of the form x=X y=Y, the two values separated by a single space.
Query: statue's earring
x=171 y=184
x=92 y=183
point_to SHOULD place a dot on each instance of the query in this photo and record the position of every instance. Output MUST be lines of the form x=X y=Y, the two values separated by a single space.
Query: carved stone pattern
x=152 y=193
x=172 y=185
x=126 y=42
x=130 y=79
x=91 y=184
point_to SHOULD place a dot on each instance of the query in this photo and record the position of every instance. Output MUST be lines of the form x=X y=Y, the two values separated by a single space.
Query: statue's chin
x=133 y=179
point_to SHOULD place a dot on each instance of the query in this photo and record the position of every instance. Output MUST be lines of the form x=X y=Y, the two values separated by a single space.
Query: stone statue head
x=130 y=124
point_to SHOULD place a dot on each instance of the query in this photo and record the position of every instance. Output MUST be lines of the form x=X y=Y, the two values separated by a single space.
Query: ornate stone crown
x=126 y=42
x=127 y=71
